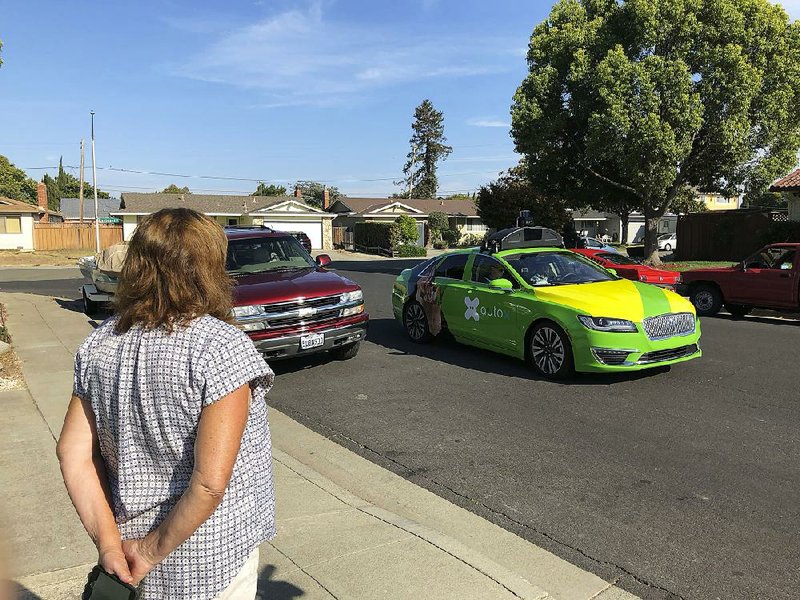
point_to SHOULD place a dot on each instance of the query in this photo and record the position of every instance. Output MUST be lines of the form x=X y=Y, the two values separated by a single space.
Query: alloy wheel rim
x=548 y=350
x=415 y=322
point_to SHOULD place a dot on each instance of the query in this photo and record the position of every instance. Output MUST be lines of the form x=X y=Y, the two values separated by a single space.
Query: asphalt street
x=681 y=483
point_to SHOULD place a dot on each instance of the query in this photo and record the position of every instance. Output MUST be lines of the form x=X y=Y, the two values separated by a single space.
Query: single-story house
x=17 y=219
x=789 y=187
x=283 y=213
x=462 y=214
x=71 y=209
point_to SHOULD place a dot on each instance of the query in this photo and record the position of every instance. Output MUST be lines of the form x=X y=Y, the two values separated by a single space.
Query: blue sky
x=276 y=90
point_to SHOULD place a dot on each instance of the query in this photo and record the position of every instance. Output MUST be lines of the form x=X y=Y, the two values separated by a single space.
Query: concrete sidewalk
x=347 y=529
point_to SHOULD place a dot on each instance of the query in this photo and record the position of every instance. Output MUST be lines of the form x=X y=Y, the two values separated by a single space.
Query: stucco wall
x=23 y=240
x=327 y=234
x=794 y=207
x=128 y=227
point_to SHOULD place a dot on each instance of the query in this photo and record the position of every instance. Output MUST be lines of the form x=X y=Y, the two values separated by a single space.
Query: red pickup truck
x=770 y=278
x=287 y=302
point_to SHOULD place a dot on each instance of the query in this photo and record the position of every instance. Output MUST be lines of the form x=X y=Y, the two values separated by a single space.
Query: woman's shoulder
x=213 y=332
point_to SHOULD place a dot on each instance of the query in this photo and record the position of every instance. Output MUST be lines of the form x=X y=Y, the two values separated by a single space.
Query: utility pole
x=80 y=190
x=94 y=184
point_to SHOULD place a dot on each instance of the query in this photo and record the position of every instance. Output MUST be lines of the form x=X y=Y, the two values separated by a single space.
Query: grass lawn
x=695 y=264
x=43 y=258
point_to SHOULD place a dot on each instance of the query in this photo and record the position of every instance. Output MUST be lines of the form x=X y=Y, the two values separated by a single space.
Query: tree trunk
x=623 y=235
x=651 y=220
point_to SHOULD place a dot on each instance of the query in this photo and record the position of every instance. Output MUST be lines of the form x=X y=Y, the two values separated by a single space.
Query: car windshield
x=618 y=259
x=666 y=236
x=557 y=268
x=259 y=255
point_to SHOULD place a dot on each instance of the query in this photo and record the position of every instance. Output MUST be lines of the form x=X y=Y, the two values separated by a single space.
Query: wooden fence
x=74 y=236
x=342 y=238
x=723 y=235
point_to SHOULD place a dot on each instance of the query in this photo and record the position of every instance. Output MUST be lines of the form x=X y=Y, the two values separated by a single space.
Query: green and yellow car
x=546 y=305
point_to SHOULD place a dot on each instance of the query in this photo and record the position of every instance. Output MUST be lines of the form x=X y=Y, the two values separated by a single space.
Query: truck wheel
x=738 y=310
x=550 y=351
x=89 y=306
x=416 y=323
x=346 y=352
x=707 y=299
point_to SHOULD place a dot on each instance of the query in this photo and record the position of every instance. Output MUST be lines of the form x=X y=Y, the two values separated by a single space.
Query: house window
x=11 y=224
x=475 y=225
x=233 y=222
x=721 y=200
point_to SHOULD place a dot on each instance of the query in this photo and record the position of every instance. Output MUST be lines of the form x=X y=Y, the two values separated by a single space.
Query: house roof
x=71 y=209
x=363 y=206
x=9 y=205
x=790 y=183
x=134 y=203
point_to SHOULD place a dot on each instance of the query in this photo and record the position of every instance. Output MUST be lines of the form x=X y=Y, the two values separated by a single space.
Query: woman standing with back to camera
x=165 y=450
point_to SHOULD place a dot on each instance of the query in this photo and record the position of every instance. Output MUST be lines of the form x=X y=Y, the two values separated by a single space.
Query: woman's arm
x=219 y=435
x=84 y=475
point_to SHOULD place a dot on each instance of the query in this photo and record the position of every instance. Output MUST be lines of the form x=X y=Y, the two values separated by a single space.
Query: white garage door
x=313 y=229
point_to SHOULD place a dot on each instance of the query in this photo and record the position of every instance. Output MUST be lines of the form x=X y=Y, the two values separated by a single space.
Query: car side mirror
x=323 y=260
x=501 y=284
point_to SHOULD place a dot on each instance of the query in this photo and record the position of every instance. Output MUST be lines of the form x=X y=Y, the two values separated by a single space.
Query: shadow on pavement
x=275 y=590
x=785 y=320
x=20 y=592
x=390 y=335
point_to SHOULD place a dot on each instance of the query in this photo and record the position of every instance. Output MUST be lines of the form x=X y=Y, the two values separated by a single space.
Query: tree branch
x=613 y=183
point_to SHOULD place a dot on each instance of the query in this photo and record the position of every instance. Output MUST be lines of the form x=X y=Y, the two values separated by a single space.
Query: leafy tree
x=767 y=200
x=66 y=185
x=174 y=189
x=438 y=221
x=427 y=148
x=652 y=97
x=14 y=183
x=500 y=202
x=461 y=197
x=269 y=190
x=408 y=229
x=314 y=191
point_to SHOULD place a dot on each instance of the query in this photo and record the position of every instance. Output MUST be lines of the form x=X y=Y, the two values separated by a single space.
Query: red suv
x=287 y=302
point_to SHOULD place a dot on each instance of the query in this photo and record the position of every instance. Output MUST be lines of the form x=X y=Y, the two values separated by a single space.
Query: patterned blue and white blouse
x=147 y=389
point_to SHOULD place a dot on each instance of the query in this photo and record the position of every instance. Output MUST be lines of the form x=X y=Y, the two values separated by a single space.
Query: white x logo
x=472 y=308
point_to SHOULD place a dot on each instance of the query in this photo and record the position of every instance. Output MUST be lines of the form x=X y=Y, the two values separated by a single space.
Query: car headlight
x=356 y=296
x=607 y=324
x=353 y=310
x=247 y=311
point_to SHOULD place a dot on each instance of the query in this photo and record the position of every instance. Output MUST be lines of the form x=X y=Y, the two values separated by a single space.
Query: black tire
x=707 y=299
x=90 y=307
x=346 y=352
x=667 y=247
x=416 y=323
x=738 y=311
x=550 y=352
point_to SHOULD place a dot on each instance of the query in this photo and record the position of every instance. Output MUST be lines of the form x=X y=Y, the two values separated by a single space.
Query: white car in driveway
x=668 y=242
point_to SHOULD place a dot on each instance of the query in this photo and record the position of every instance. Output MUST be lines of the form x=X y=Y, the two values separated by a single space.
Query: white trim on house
x=287 y=207
x=383 y=209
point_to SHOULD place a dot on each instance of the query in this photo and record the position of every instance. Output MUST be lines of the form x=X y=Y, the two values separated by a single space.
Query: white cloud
x=300 y=57
x=489 y=123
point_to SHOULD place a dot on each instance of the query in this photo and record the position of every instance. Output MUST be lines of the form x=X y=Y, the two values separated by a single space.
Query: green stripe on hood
x=654 y=300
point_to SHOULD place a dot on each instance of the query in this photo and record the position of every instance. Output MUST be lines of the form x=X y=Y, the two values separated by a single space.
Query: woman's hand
x=113 y=560
x=137 y=561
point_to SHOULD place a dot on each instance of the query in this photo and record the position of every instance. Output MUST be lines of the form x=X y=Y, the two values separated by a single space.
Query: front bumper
x=335 y=337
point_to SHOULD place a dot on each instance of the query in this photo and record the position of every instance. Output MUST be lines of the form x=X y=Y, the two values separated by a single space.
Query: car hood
x=283 y=286
x=621 y=299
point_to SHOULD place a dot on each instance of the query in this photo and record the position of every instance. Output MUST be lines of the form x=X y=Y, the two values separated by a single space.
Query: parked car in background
x=287 y=302
x=668 y=242
x=538 y=302
x=303 y=238
x=770 y=278
x=591 y=243
x=632 y=269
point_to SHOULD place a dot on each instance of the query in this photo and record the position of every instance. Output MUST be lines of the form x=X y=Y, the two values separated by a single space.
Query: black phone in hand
x=107 y=586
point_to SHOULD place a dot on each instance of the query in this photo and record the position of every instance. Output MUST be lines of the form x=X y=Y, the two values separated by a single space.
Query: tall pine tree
x=427 y=148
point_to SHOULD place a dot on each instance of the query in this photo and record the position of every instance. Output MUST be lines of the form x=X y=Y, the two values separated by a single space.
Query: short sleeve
x=230 y=364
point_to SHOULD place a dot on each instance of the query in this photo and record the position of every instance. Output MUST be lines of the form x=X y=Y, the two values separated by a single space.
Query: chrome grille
x=281 y=307
x=665 y=326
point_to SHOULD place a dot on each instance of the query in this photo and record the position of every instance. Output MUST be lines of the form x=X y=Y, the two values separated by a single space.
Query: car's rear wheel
x=90 y=307
x=668 y=247
x=707 y=299
x=346 y=352
x=738 y=310
x=416 y=323
x=550 y=351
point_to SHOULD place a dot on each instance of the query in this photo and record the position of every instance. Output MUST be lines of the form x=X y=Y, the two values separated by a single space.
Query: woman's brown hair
x=174 y=271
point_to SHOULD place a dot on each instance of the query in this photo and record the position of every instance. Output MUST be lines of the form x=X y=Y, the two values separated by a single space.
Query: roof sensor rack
x=522 y=237
x=262 y=226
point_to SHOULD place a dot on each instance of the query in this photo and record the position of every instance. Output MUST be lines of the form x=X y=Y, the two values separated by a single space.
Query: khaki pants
x=244 y=585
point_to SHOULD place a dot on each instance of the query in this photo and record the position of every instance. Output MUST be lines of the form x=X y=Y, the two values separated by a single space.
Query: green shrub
x=376 y=235
x=438 y=221
x=451 y=236
x=471 y=239
x=776 y=233
x=409 y=250
x=440 y=245
x=408 y=229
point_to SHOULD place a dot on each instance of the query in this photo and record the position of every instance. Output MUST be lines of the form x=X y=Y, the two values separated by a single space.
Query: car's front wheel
x=416 y=323
x=90 y=307
x=707 y=299
x=550 y=351
x=667 y=247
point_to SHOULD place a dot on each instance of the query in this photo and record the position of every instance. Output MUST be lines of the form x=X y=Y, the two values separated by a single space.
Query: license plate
x=313 y=340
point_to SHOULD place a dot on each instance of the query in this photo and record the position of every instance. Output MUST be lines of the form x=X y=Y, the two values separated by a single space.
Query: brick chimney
x=41 y=199
x=297 y=192
x=326 y=199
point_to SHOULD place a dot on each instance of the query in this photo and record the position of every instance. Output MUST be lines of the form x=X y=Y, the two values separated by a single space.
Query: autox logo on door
x=475 y=311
